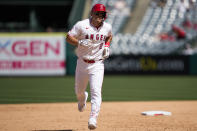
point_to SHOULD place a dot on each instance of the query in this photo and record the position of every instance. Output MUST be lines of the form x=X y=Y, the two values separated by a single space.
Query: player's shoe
x=92 y=123
x=82 y=106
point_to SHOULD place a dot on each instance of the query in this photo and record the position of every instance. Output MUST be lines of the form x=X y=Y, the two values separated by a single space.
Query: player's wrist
x=107 y=44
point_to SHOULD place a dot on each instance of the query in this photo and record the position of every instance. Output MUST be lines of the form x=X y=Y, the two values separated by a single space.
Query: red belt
x=90 y=61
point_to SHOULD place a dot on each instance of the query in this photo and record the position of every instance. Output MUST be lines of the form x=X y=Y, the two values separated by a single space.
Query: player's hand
x=84 y=42
x=106 y=52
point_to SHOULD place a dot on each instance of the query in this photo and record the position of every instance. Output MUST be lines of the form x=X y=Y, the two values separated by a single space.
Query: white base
x=156 y=113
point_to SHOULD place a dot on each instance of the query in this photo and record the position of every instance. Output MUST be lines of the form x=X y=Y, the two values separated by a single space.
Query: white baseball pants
x=92 y=73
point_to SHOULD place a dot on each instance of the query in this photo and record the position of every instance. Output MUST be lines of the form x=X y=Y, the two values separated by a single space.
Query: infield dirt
x=114 y=116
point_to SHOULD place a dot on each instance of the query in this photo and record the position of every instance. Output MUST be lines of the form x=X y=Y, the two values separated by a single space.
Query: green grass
x=33 y=90
x=115 y=88
x=145 y=88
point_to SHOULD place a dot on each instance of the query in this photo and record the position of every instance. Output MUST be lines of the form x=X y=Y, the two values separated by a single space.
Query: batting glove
x=106 y=52
x=84 y=42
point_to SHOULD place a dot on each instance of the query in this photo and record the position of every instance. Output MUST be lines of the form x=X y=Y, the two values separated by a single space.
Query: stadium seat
x=155 y=21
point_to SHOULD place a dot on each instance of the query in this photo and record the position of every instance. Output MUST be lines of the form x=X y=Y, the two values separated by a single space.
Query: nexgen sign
x=32 y=55
x=31 y=47
x=35 y=48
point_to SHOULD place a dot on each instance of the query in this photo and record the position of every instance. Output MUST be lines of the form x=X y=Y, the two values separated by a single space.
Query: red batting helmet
x=99 y=7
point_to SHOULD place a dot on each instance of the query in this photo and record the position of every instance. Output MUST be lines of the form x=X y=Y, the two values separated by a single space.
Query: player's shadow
x=52 y=130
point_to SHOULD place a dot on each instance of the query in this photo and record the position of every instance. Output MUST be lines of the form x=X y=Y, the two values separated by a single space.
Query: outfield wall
x=32 y=54
x=141 y=64
x=47 y=54
x=158 y=64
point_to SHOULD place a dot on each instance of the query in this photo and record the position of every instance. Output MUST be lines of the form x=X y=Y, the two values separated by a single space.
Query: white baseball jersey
x=84 y=30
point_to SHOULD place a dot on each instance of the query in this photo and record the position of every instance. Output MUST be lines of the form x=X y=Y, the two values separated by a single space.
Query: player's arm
x=72 y=40
x=72 y=35
x=108 y=40
x=106 y=48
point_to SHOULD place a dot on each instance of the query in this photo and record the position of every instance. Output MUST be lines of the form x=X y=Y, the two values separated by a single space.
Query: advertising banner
x=130 y=64
x=32 y=54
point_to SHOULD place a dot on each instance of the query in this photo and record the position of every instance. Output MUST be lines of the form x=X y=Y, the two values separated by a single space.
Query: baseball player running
x=92 y=37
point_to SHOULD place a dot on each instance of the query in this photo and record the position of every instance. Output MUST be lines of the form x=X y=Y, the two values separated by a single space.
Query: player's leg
x=96 y=81
x=81 y=81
